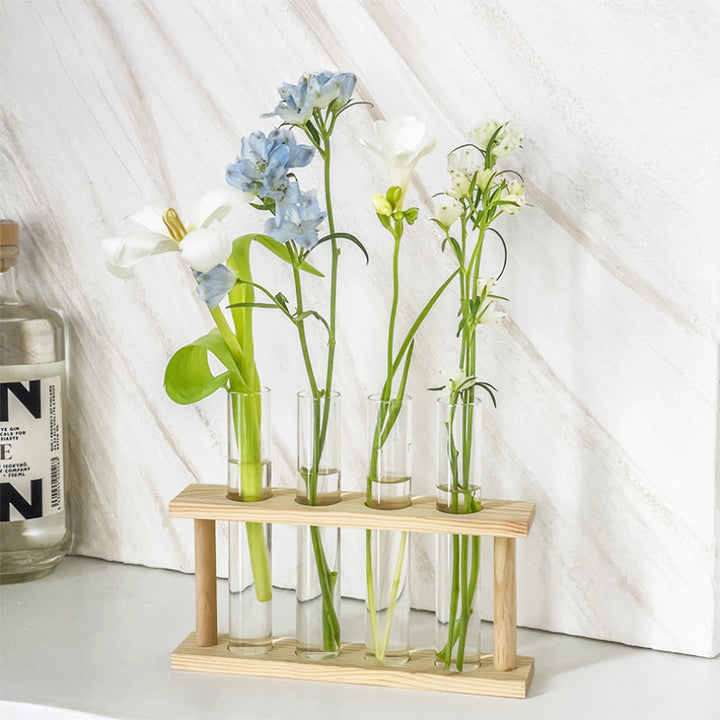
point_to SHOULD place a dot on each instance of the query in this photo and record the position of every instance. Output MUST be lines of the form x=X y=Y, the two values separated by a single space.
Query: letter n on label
x=10 y=496
x=29 y=397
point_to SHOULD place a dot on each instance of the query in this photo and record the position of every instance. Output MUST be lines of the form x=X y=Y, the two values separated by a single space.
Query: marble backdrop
x=607 y=364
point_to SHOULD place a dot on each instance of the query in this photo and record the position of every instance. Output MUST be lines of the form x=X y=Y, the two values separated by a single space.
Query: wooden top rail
x=498 y=518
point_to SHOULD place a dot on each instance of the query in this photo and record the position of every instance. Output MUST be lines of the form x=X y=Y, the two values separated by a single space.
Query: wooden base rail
x=502 y=674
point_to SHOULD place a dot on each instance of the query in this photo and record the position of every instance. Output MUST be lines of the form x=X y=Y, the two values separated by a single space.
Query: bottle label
x=31 y=449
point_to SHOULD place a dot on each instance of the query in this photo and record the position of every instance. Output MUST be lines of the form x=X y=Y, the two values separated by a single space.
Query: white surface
x=27 y=711
x=607 y=367
x=97 y=637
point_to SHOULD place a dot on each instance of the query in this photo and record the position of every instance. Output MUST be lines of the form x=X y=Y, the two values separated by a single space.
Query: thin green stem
x=369 y=579
x=321 y=407
x=394 y=592
x=394 y=306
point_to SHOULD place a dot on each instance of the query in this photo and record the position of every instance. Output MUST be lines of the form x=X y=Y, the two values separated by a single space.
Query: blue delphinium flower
x=215 y=284
x=264 y=161
x=336 y=89
x=297 y=101
x=322 y=90
x=297 y=218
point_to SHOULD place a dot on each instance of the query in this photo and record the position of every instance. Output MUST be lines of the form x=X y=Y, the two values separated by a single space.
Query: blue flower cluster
x=262 y=168
x=321 y=90
x=297 y=218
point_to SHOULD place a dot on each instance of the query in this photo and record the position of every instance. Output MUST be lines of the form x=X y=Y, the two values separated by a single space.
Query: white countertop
x=97 y=636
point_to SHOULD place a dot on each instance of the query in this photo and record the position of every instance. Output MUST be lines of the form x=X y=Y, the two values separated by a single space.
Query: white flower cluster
x=516 y=195
x=508 y=139
x=467 y=166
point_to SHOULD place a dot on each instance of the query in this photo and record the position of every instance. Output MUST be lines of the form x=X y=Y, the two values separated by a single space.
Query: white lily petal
x=124 y=252
x=205 y=248
x=151 y=218
x=215 y=206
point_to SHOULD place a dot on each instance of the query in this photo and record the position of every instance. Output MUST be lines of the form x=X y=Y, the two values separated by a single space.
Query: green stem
x=372 y=614
x=321 y=415
x=464 y=581
x=247 y=436
x=394 y=592
x=387 y=416
x=333 y=300
x=394 y=306
x=301 y=331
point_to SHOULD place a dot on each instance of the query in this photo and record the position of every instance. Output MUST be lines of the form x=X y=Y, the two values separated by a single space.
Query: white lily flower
x=447 y=209
x=205 y=248
x=401 y=143
x=202 y=243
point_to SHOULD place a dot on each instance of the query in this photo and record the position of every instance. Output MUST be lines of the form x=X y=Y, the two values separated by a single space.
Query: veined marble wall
x=607 y=365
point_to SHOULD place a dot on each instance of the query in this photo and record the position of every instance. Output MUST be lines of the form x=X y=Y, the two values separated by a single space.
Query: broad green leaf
x=188 y=377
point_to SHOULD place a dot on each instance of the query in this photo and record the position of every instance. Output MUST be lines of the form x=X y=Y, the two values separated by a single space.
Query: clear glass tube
x=457 y=589
x=317 y=618
x=250 y=612
x=318 y=449
x=318 y=549
x=387 y=553
x=457 y=602
x=249 y=437
x=249 y=544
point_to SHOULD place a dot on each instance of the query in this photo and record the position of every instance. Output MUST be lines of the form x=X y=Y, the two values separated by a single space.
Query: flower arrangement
x=478 y=194
x=295 y=224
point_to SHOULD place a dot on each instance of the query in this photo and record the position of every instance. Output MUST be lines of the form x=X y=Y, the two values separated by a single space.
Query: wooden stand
x=503 y=673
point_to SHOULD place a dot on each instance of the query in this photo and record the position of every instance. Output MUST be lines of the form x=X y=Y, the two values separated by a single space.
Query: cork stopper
x=8 y=233
x=8 y=244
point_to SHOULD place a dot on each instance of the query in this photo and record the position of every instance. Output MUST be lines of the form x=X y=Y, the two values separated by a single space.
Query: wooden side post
x=205 y=584
x=505 y=610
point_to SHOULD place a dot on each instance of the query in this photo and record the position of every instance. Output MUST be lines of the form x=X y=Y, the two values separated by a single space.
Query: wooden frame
x=503 y=673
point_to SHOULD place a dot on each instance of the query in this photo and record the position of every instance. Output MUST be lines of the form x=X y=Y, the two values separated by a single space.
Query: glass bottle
x=34 y=519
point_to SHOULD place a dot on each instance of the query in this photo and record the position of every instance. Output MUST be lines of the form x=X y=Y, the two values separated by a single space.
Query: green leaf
x=312 y=313
x=273 y=306
x=411 y=215
x=346 y=236
x=312 y=133
x=279 y=249
x=188 y=377
x=444 y=228
x=456 y=249
x=384 y=221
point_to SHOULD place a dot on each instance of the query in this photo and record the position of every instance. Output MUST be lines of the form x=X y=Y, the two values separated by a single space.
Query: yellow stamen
x=175 y=227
